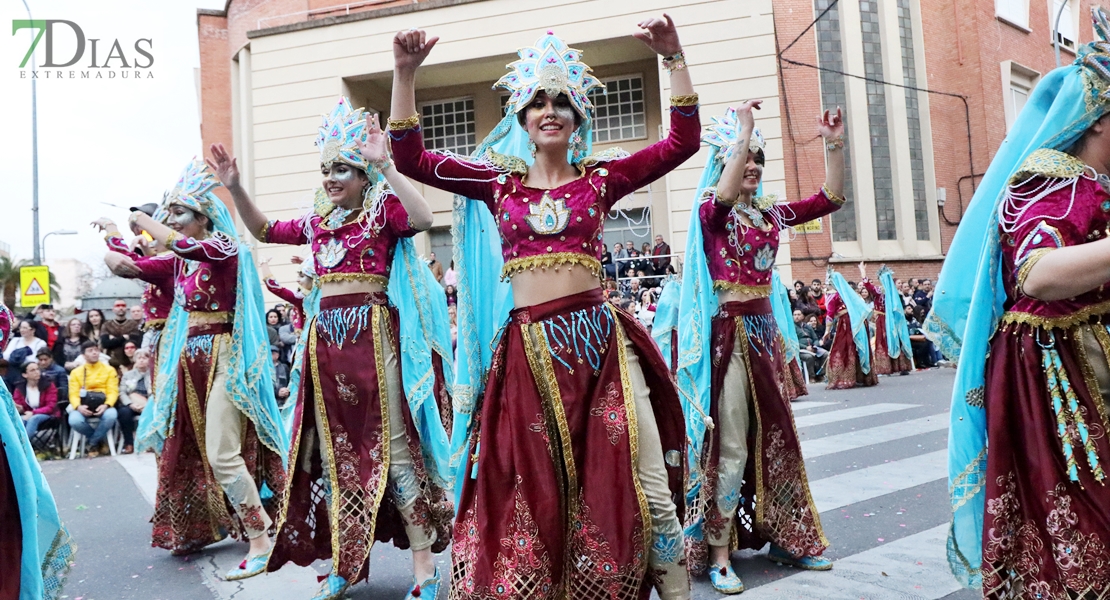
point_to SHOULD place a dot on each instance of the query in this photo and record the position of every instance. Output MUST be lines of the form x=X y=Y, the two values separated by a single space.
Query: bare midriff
x=342 y=288
x=724 y=296
x=544 y=285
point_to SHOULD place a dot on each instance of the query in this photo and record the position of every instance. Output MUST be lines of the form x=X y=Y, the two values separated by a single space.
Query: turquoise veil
x=969 y=301
x=859 y=313
x=784 y=315
x=250 y=371
x=897 y=329
x=666 y=317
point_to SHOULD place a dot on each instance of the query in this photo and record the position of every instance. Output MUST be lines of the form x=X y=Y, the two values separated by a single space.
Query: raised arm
x=215 y=248
x=375 y=149
x=226 y=169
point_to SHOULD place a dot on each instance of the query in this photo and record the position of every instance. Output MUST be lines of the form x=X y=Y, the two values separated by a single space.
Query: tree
x=9 y=280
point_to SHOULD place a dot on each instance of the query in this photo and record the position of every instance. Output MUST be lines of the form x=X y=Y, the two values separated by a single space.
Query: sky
x=115 y=141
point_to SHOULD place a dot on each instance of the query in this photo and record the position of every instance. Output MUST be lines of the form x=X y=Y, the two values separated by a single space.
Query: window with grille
x=619 y=110
x=449 y=125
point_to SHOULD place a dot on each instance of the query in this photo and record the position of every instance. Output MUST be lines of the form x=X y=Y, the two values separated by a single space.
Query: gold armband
x=835 y=199
x=1034 y=257
x=410 y=123
x=686 y=100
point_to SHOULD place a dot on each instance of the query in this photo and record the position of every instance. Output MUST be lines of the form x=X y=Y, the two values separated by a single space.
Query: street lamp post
x=34 y=151
x=1056 y=30
x=43 y=245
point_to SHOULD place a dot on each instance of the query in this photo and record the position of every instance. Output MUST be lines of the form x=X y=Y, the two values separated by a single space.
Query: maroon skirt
x=11 y=533
x=843 y=366
x=1043 y=532
x=190 y=508
x=553 y=506
x=776 y=505
x=882 y=363
x=343 y=385
x=793 y=381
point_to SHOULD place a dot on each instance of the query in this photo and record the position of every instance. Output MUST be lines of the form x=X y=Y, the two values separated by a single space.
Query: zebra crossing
x=877 y=465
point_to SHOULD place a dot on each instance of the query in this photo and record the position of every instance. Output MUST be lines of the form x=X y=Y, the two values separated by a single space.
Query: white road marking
x=807 y=404
x=871 y=482
x=861 y=438
x=847 y=414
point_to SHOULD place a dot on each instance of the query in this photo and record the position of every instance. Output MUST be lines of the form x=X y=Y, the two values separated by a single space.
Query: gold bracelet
x=410 y=123
x=674 y=62
x=686 y=100
x=835 y=199
x=837 y=143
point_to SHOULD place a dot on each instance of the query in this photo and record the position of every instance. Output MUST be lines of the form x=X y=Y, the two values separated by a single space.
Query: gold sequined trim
x=264 y=233
x=153 y=324
x=1060 y=322
x=762 y=291
x=512 y=164
x=369 y=277
x=210 y=318
x=399 y=124
x=1049 y=163
x=686 y=100
x=1103 y=338
x=1023 y=273
x=837 y=200
x=969 y=482
x=607 y=155
x=547 y=261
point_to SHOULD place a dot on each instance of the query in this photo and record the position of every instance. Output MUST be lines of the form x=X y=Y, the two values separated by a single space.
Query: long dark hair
x=88 y=329
x=44 y=381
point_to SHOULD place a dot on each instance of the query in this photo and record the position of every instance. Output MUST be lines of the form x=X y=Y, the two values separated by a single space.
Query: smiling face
x=186 y=222
x=550 y=122
x=344 y=184
x=753 y=174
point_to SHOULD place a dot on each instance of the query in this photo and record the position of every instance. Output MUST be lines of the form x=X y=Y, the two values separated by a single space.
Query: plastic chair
x=76 y=438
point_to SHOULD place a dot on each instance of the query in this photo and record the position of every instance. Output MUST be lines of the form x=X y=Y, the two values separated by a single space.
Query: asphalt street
x=875 y=458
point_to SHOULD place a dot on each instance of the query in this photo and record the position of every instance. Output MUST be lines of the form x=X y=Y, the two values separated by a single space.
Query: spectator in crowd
x=809 y=346
x=636 y=260
x=922 y=351
x=450 y=276
x=129 y=349
x=281 y=375
x=807 y=304
x=818 y=326
x=136 y=313
x=288 y=335
x=452 y=295
x=94 y=324
x=282 y=311
x=620 y=259
x=93 y=392
x=48 y=328
x=924 y=295
x=607 y=263
x=453 y=314
x=798 y=285
x=23 y=348
x=54 y=372
x=436 y=267
x=906 y=293
x=273 y=322
x=134 y=389
x=116 y=333
x=645 y=309
x=662 y=250
x=67 y=349
x=36 y=398
x=615 y=298
x=817 y=292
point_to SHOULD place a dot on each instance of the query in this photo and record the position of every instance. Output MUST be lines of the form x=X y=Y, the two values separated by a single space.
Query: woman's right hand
x=224 y=166
x=410 y=48
x=745 y=119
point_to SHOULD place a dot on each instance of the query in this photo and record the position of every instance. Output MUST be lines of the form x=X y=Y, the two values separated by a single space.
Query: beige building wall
x=286 y=78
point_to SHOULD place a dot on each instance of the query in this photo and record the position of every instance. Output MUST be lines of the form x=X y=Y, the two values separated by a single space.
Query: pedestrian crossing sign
x=34 y=286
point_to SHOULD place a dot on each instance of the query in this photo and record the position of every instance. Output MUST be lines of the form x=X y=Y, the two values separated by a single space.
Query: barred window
x=619 y=110
x=449 y=125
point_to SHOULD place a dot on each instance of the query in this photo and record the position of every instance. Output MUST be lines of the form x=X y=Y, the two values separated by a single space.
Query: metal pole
x=34 y=151
x=1055 y=30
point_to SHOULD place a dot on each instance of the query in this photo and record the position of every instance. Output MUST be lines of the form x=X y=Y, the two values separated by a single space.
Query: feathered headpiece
x=339 y=134
x=192 y=190
x=553 y=67
x=722 y=133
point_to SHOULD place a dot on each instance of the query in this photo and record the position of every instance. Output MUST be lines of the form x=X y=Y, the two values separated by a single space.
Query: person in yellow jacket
x=93 y=391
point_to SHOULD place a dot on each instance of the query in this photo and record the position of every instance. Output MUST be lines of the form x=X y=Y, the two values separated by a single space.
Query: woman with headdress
x=893 y=352
x=572 y=459
x=1023 y=301
x=848 y=323
x=213 y=417
x=731 y=358
x=35 y=548
x=360 y=424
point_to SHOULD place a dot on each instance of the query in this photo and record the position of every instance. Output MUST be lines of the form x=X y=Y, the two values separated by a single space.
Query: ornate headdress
x=339 y=133
x=553 y=67
x=192 y=190
x=722 y=133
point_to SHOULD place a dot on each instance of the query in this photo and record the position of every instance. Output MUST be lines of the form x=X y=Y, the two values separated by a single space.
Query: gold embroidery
x=685 y=100
x=264 y=233
x=197 y=319
x=1049 y=163
x=401 y=124
x=607 y=155
x=834 y=198
x=761 y=291
x=368 y=277
x=512 y=164
x=1033 y=258
x=547 y=261
x=216 y=504
x=969 y=482
x=1061 y=322
x=153 y=324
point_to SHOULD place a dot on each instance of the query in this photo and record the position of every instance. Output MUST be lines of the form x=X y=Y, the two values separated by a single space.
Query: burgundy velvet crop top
x=355 y=251
x=740 y=256
x=158 y=273
x=546 y=228
x=206 y=278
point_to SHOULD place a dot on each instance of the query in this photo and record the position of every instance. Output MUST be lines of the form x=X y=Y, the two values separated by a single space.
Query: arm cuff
x=1027 y=265
x=687 y=100
x=399 y=124
x=837 y=200
x=264 y=233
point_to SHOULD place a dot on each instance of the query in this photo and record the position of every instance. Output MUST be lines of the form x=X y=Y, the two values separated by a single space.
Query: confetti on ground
x=82 y=507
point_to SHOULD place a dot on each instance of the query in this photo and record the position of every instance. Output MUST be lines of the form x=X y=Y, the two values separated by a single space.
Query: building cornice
x=359 y=16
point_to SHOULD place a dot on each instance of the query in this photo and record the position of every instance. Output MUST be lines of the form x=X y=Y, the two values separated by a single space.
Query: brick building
x=269 y=69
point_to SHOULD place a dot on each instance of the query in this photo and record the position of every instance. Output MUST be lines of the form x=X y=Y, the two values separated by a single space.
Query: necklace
x=754 y=214
x=338 y=216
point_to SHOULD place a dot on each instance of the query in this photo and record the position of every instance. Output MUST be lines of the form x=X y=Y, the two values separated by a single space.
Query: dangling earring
x=576 y=146
x=532 y=148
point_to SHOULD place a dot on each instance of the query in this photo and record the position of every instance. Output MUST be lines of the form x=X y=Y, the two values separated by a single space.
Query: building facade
x=928 y=87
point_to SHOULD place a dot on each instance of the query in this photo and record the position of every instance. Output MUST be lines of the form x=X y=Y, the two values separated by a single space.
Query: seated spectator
x=68 y=347
x=809 y=347
x=36 y=399
x=645 y=309
x=129 y=349
x=620 y=262
x=281 y=375
x=116 y=332
x=134 y=390
x=94 y=324
x=54 y=372
x=93 y=392
x=818 y=326
x=21 y=350
x=922 y=347
x=635 y=288
x=807 y=304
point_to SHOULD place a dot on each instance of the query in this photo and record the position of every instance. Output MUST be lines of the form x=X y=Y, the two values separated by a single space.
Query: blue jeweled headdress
x=553 y=67
x=721 y=133
x=191 y=190
x=339 y=132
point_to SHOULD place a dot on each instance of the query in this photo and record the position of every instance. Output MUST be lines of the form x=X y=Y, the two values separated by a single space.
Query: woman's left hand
x=376 y=147
x=831 y=125
x=660 y=35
